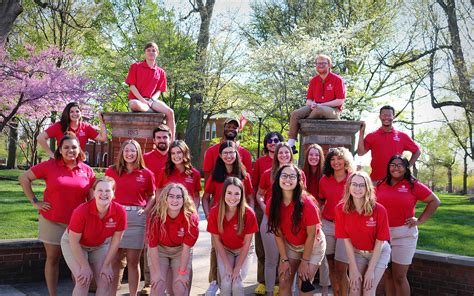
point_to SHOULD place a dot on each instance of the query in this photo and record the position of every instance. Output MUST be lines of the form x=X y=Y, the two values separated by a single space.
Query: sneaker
x=293 y=149
x=146 y=290
x=212 y=290
x=276 y=290
x=260 y=290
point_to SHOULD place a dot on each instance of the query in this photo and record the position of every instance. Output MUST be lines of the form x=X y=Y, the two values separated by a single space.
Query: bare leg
x=51 y=267
x=399 y=274
x=133 y=264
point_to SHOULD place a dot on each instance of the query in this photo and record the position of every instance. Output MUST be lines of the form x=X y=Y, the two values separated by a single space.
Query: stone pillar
x=131 y=125
x=327 y=133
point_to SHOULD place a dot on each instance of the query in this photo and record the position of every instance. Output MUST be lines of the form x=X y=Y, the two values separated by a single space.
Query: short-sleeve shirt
x=134 y=188
x=212 y=153
x=384 y=145
x=329 y=89
x=400 y=200
x=267 y=185
x=214 y=188
x=191 y=182
x=155 y=161
x=309 y=217
x=147 y=80
x=259 y=167
x=95 y=230
x=84 y=132
x=229 y=238
x=65 y=189
x=174 y=232
x=332 y=191
x=362 y=230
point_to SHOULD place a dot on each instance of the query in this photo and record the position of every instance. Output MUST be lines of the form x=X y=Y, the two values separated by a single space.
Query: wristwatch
x=284 y=260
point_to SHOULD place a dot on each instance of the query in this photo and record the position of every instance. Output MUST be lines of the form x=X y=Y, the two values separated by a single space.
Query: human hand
x=355 y=279
x=362 y=127
x=412 y=222
x=155 y=279
x=369 y=279
x=84 y=276
x=42 y=206
x=183 y=279
x=101 y=117
x=236 y=274
x=284 y=271
x=107 y=272
x=303 y=271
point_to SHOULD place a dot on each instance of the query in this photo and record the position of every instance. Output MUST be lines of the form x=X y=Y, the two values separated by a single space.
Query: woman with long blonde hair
x=362 y=224
x=172 y=231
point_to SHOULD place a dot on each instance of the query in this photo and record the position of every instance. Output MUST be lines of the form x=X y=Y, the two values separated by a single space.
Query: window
x=213 y=130
x=207 y=133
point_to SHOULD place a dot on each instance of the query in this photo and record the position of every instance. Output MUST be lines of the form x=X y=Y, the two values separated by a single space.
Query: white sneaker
x=212 y=290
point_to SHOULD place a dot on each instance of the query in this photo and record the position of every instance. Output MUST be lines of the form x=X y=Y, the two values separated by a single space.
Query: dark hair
x=310 y=177
x=387 y=107
x=151 y=44
x=342 y=152
x=65 y=120
x=277 y=198
x=407 y=176
x=238 y=170
x=69 y=136
x=162 y=128
x=170 y=166
x=269 y=136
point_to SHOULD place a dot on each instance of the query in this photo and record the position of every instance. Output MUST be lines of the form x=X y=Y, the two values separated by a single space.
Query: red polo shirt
x=267 y=185
x=65 y=188
x=384 y=145
x=147 y=80
x=174 y=232
x=330 y=89
x=212 y=153
x=400 y=200
x=155 y=161
x=84 y=132
x=331 y=191
x=229 y=238
x=214 y=188
x=192 y=183
x=362 y=230
x=85 y=220
x=134 y=188
x=259 y=167
x=309 y=217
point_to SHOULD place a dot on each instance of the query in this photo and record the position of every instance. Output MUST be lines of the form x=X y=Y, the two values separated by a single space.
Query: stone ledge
x=445 y=258
x=328 y=127
x=19 y=243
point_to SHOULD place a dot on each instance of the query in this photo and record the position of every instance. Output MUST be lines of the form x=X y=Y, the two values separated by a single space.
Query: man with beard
x=385 y=143
x=326 y=94
x=231 y=128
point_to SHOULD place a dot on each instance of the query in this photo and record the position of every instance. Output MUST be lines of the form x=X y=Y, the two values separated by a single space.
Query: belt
x=132 y=208
x=363 y=251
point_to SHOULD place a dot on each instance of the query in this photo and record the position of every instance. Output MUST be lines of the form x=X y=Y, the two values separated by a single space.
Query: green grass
x=450 y=230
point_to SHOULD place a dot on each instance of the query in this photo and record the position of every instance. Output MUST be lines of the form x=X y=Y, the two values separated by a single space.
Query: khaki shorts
x=94 y=255
x=363 y=257
x=317 y=254
x=134 y=235
x=329 y=231
x=50 y=232
x=403 y=242
x=171 y=256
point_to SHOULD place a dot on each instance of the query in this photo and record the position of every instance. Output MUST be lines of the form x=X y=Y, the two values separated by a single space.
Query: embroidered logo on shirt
x=81 y=134
x=403 y=188
x=396 y=138
x=81 y=173
x=371 y=222
x=181 y=232
x=329 y=87
x=189 y=179
x=111 y=223
x=236 y=226
x=140 y=179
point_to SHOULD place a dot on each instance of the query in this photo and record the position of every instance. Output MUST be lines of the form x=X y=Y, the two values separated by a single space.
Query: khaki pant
x=259 y=249
x=323 y=112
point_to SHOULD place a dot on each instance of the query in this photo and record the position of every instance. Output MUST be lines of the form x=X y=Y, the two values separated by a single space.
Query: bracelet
x=305 y=260
x=182 y=272
x=35 y=200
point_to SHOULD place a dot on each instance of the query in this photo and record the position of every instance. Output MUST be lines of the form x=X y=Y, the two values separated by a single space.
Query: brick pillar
x=128 y=125
x=328 y=134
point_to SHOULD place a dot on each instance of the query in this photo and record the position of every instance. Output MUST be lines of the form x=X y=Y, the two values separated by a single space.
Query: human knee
x=179 y=288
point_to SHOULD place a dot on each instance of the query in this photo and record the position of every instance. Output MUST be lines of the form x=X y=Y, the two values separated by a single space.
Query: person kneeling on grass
x=92 y=239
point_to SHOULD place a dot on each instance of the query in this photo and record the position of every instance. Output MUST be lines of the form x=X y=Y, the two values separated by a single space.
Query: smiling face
x=322 y=66
x=313 y=157
x=70 y=150
x=288 y=179
x=230 y=131
x=397 y=169
x=175 y=199
x=386 y=117
x=162 y=141
x=103 y=193
x=337 y=163
x=151 y=53
x=228 y=155
x=75 y=114
x=284 y=155
x=271 y=143
x=130 y=153
x=177 y=156
x=232 y=196
x=357 y=187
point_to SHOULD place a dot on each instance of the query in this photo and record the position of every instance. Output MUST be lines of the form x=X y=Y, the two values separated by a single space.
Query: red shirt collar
x=92 y=207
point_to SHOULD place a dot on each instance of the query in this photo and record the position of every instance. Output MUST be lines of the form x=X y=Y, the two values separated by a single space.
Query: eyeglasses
x=228 y=153
x=396 y=165
x=321 y=64
x=358 y=185
x=171 y=196
x=292 y=177
x=274 y=141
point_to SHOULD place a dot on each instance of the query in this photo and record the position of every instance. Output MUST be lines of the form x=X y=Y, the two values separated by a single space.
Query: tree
x=9 y=11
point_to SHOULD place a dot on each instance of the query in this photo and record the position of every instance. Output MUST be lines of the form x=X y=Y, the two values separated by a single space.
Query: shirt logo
x=189 y=179
x=81 y=134
x=81 y=173
x=329 y=87
x=236 y=226
x=181 y=232
x=396 y=138
x=110 y=223
x=140 y=179
x=403 y=188
x=371 y=222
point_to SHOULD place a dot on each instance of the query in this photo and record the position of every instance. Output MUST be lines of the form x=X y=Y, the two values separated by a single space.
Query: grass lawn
x=450 y=230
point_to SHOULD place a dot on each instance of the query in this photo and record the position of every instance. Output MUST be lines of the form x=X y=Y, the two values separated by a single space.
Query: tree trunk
x=450 y=180
x=194 y=127
x=12 y=142
x=464 y=174
x=9 y=11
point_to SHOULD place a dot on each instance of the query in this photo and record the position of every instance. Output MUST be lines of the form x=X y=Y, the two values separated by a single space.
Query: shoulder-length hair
x=238 y=170
x=277 y=199
x=120 y=164
x=369 y=197
x=276 y=163
x=407 y=176
x=65 y=120
x=69 y=136
x=159 y=211
x=268 y=137
x=342 y=152
x=170 y=166
x=241 y=207
x=310 y=177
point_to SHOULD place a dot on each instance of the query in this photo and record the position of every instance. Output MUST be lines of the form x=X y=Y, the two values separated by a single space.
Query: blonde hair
x=121 y=166
x=369 y=196
x=324 y=56
x=241 y=207
x=106 y=179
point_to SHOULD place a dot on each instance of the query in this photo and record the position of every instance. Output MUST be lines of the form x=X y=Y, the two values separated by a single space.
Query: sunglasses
x=274 y=141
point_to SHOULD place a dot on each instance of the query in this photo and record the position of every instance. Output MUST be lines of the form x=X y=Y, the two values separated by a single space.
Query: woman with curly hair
x=172 y=231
